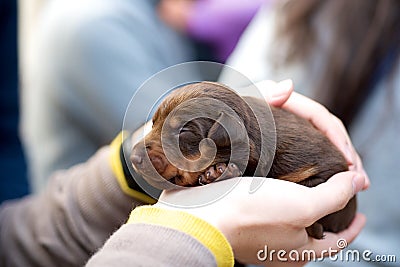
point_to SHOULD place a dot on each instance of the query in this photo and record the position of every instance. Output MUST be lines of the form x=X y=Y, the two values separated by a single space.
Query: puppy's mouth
x=155 y=168
x=217 y=172
x=181 y=181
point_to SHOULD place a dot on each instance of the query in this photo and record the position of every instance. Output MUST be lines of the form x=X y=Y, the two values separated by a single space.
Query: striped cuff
x=117 y=168
x=182 y=221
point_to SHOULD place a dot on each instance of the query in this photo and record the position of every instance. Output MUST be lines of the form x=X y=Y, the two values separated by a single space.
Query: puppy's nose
x=136 y=159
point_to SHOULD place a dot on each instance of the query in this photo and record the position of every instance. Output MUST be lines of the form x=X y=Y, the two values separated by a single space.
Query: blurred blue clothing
x=90 y=57
x=13 y=181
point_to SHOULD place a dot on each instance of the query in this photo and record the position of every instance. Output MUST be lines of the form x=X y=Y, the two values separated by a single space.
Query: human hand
x=276 y=214
x=281 y=95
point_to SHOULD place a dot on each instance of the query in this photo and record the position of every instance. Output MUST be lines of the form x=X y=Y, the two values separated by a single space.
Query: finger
x=330 y=245
x=355 y=164
x=336 y=242
x=358 y=167
x=334 y=194
x=276 y=94
x=322 y=119
x=329 y=125
x=281 y=94
x=353 y=230
x=367 y=180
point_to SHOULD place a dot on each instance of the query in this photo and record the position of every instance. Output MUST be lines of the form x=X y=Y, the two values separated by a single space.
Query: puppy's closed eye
x=187 y=136
x=186 y=132
x=189 y=141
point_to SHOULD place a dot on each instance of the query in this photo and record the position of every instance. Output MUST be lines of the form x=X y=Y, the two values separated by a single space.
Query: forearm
x=155 y=237
x=64 y=225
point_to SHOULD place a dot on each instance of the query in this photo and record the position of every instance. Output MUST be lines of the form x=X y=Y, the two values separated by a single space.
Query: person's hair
x=366 y=36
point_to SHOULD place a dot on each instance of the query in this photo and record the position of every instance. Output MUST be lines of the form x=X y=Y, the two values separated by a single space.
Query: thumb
x=334 y=194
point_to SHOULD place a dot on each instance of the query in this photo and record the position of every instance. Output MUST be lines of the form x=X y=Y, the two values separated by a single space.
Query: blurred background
x=69 y=69
x=13 y=180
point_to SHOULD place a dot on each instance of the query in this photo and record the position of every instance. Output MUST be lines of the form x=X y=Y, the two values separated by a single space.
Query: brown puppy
x=303 y=154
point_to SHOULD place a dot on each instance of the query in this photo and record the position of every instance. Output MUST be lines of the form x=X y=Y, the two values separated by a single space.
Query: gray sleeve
x=151 y=245
x=69 y=221
x=90 y=57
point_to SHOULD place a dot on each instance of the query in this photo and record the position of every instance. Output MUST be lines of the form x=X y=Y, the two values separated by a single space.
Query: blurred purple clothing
x=221 y=22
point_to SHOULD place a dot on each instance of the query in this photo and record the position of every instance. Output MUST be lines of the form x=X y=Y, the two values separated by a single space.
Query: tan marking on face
x=164 y=167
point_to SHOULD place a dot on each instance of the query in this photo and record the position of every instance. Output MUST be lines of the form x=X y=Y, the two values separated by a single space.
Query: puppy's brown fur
x=303 y=154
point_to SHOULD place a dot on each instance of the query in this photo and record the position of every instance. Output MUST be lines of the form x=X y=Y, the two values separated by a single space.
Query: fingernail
x=279 y=89
x=358 y=183
x=285 y=85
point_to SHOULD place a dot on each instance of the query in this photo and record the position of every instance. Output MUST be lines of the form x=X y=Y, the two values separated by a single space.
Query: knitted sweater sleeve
x=64 y=225
x=162 y=237
x=79 y=210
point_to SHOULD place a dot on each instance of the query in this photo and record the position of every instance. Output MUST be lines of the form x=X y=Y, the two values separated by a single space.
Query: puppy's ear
x=227 y=130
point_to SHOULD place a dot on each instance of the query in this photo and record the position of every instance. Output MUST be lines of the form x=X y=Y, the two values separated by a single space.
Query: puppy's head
x=205 y=139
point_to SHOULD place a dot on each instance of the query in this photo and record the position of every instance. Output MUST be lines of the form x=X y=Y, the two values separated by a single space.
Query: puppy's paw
x=219 y=172
x=316 y=230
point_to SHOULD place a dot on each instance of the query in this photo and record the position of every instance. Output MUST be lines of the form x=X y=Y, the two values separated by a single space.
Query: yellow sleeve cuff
x=117 y=169
x=204 y=232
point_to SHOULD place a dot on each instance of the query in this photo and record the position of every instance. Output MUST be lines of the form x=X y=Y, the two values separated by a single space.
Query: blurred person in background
x=86 y=59
x=344 y=54
x=217 y=23
x=13 y=178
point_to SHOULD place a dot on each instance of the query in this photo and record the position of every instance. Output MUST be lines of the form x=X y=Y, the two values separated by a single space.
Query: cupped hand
x=275 y=215
x=281 y=95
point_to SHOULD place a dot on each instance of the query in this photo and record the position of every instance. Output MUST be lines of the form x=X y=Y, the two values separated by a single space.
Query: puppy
x=303 y=154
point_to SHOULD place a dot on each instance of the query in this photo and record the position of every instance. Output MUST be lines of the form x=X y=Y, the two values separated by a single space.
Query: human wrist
x=204 y=232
